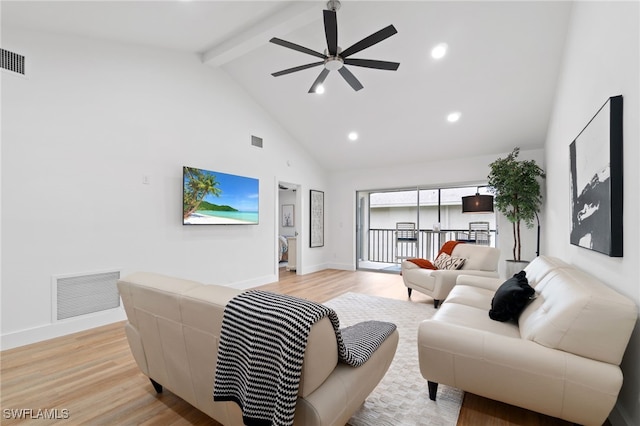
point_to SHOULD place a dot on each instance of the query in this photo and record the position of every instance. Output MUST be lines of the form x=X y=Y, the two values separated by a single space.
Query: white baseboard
x=342 y=266
x=61 y=328
x=308 y=269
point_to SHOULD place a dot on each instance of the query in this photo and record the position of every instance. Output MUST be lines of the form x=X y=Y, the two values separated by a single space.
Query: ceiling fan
x=334 y=58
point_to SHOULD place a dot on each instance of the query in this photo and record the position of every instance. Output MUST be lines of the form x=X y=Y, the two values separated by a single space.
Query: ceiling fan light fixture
x=319 y=90
x=333 y=63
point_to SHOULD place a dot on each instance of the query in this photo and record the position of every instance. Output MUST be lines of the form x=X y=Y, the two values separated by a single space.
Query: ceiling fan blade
x=323 y=74
x=374 y=38
x=331 y=31
x=369 y=63
x=298 y=68
x=350 y=78
x=297 y=47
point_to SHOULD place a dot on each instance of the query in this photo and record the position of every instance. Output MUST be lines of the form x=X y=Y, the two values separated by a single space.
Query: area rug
x=401 y=397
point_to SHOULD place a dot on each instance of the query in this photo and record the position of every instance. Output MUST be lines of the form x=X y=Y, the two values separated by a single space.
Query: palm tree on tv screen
x=197 y=185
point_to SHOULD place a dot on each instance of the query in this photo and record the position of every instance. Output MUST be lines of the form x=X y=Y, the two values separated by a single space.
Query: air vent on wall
x=76 y=295
x=11 y=61
x=256 y=141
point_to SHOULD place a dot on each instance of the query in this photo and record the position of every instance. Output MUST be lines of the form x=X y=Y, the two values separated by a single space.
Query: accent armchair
x=479 y=261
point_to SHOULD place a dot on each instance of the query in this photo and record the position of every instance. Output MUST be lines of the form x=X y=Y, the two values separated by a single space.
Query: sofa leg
x=436 y=303
x=409 y=291
x=157 y=386
x=433 y=389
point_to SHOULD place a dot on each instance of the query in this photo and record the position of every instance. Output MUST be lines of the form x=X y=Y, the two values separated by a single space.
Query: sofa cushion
x=471 y=296
x=511 y=298
x=469 y=317
x=575 y=312
x=444 y=261
x=541 y=266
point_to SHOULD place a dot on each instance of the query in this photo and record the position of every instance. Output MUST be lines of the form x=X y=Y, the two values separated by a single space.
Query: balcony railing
x=383 y=246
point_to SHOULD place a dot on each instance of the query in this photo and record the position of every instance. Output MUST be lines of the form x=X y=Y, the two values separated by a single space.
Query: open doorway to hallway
x=288 y=248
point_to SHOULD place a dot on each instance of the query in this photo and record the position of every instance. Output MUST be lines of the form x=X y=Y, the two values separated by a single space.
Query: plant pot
x=515 y=266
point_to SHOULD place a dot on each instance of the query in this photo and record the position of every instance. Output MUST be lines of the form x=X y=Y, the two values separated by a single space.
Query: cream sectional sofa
x=561 y=358
x=173 y=330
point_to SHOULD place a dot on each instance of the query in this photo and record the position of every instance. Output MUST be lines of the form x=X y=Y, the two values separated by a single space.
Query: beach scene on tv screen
x=214 y=198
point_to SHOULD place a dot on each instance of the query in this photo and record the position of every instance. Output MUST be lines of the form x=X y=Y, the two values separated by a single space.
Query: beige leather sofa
x=480 y=261
x=562 y=357
x=173 y=328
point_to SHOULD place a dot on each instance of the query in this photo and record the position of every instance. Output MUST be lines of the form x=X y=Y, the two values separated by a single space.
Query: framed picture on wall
x=288 y=220
x=596 y=182
x=316 y=220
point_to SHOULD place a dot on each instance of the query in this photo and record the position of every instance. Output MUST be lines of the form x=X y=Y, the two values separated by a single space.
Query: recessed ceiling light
x=320 y=89
x=439 y=51
x=353 y=136
x=453 y=117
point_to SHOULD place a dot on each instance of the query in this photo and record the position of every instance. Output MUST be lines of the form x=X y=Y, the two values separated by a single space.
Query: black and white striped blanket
x=262 y=344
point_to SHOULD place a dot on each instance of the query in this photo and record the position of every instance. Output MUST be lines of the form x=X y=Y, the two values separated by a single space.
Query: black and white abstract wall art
x=596 y=182
x=316 y=220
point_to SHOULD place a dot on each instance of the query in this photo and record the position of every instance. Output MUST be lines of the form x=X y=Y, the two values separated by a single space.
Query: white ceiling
x=500 y=72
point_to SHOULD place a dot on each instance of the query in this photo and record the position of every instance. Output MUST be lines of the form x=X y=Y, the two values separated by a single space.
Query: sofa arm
x=320 y=357
x=136 y=346
x=346 y=388
x=488 y=283
x=408 y=265
x=495 y=366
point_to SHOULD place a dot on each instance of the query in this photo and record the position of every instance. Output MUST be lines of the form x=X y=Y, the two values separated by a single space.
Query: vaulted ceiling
x=499 y=73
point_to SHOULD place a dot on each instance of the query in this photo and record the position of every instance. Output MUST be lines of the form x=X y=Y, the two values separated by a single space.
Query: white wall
x=601 y=60
x=460 y=172
x=79 y=133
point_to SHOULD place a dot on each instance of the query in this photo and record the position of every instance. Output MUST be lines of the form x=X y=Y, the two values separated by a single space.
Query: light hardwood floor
x=91 y=377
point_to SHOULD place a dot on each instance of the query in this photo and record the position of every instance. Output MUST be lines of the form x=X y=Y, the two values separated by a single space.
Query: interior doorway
x=288 y=226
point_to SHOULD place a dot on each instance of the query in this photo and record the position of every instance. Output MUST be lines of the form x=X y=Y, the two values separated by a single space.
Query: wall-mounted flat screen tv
x=214 y=198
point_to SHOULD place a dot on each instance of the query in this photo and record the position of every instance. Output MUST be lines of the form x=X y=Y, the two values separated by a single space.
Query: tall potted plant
x=516 y=186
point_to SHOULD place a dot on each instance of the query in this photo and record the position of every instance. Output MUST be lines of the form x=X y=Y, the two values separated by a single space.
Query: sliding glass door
x=396 y=224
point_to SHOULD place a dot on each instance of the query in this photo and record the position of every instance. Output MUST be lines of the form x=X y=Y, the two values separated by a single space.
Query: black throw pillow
x=511 y=298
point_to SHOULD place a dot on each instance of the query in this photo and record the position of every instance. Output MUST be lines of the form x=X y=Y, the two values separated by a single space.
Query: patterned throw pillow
x=444 y=261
